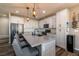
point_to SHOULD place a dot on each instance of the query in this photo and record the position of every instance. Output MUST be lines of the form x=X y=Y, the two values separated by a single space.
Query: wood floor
x=7 y=50
x=62 y=52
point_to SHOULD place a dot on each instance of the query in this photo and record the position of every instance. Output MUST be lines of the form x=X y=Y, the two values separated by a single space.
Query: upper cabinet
x=62 y=18
x=50 y=20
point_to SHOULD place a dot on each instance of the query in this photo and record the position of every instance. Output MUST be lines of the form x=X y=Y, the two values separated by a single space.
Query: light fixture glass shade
x=34 y=13
x=27 y=13
x=28 y=18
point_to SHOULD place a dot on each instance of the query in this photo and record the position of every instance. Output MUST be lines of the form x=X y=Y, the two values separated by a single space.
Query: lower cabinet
x=48 y=49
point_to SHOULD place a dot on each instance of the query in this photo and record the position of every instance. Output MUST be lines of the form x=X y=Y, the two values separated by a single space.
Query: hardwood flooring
x=62 y=52
x=5 y=48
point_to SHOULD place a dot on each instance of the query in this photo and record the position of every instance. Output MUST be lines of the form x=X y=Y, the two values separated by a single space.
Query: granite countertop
x=38 y=40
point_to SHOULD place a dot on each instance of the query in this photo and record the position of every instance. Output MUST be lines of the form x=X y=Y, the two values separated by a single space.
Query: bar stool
x=30 y=51
x=23 y=43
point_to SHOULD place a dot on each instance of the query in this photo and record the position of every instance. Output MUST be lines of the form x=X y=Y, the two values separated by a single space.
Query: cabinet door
x=64 y=18
x=62 y=28
x=48 y=48
x=61 y=25
x=62 y=38
x=58 y=28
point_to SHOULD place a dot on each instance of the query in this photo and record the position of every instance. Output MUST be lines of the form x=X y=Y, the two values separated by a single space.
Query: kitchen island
x=47 y=43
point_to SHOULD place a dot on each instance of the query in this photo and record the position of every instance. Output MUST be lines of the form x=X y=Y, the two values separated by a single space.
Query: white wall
x=30 y=25
x=50 y=20
x=4 y=25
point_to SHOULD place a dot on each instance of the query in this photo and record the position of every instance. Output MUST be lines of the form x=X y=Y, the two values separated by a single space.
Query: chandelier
x=33 y=12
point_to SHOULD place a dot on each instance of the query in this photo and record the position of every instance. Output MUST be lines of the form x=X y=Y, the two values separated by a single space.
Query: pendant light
x=27 y=13
x=34 y=12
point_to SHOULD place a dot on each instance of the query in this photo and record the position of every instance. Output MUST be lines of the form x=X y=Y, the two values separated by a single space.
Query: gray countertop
x=38 y=40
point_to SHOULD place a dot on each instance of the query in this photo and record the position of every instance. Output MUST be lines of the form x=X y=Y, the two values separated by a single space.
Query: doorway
x=14 y=28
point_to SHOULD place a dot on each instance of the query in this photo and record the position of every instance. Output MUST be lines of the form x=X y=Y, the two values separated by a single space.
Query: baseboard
x=4 y=36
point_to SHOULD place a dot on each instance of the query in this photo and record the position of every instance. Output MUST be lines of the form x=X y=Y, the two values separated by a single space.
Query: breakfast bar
x=47 y=43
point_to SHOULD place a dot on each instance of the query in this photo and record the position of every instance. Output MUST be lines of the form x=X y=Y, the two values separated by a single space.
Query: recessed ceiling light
x=4 y=15
x=17 y=11
x=44 y=11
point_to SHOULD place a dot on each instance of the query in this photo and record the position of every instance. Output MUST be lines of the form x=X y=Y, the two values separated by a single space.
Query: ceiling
x=50 y=8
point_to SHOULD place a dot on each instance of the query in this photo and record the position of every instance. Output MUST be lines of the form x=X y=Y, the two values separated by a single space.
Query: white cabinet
x=50 y=20
x=62 y=18
x=48 y=49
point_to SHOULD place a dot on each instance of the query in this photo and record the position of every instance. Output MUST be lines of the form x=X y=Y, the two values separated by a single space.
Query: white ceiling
x=50 y=8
